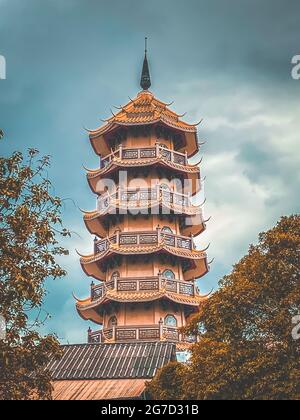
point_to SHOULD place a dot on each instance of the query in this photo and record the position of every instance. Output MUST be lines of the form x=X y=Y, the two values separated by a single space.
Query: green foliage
x=168 y=383
x=30 y=223
x=247 y=350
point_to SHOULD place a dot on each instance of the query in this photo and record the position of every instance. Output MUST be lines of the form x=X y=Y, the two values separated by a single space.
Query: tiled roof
x=140 y=296
x=111 y=361
x=126 y=163
x=142 y=204
x=198 y=259
x=107 y=389
x=145 y=109
x=143 y=249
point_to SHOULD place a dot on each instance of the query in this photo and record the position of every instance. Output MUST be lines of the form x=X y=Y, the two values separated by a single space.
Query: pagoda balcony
x=145 y=284
x=145 y=238
x=155 y=332
x=158 y=151
x=139 y=197
x=145 y=157
x=146 y=201
x=139 y=290
x=194 y=261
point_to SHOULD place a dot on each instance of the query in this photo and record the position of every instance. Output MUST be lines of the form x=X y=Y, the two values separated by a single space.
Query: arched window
x=115 y=275
x=167 y=229
x=112 y=322
x=169 y=274
x=170 y=321
x=165 y=187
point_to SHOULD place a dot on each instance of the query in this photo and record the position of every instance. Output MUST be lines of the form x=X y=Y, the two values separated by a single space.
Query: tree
x=168 y=383
x=30 y=223
x=246 y=349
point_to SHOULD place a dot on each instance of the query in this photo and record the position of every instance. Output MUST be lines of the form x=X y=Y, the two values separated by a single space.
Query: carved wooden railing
x=126 y=153
x=142 y=196
x=144 y=238
x=139 y=333
x=143 y=284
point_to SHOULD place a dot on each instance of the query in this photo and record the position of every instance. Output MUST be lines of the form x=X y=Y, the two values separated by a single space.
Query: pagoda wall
x=144 y=266
x=144 y=141
x=144 y=224
x=144 y=314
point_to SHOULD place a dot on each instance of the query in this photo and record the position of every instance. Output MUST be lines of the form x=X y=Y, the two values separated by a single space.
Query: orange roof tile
x=144 y=109
x=117 y=296
x=108 y=389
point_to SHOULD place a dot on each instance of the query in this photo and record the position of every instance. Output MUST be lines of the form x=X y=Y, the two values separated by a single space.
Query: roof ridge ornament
x=145 y=78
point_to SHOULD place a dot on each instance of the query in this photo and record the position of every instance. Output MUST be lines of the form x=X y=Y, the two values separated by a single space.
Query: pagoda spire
x=145 y=78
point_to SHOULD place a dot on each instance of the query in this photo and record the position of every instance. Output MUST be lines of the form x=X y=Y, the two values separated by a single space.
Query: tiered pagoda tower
x=144 y=262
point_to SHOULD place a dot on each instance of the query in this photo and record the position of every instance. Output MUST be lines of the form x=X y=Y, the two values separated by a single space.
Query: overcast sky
x=229 y=62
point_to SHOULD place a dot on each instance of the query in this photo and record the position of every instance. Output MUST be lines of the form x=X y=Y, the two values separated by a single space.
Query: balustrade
x=143 y=284
x=126 y=153
x=144 y=238
x=138 y=333
x=141 y=196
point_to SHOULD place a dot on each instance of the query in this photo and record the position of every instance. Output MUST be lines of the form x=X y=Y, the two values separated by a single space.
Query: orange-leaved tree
x=30 y=224
x=248 y=347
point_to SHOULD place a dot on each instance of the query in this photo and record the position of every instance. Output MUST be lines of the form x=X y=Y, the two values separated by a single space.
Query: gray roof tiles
x=111 y=361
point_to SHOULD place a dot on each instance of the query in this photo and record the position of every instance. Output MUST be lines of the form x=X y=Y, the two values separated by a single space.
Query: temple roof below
x=110 y=389
x=111 y=361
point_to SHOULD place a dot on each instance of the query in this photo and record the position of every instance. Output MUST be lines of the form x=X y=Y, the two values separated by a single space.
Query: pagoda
x=144 y=261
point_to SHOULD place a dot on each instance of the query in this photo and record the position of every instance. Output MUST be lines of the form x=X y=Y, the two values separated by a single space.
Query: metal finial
x=145 y=78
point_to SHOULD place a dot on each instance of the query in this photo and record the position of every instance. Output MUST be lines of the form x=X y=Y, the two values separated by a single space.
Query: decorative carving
x=171 y=286
x=179 y=159
x=102 y=246
x=149 y=285
x=108 y=334
x=166 y=196
x=128 y=239
x=148 y=153
x=184 y=243
x=149 y=334
x=97 y=292
x=127 y=286
x=148 y=239
x=171 y=333
x=169 y=240
x=166 y=154
x=110 y=284
x=94 y=337
x=130 y=154
x=127 y=334
x=186 y=289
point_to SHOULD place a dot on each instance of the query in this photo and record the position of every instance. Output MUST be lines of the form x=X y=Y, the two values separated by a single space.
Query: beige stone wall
x=145 y=314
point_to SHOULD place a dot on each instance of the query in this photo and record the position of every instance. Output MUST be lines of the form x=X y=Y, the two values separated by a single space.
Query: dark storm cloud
x=69 y=61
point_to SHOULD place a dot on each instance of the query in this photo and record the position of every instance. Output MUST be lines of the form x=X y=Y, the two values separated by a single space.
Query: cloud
x=250 y=164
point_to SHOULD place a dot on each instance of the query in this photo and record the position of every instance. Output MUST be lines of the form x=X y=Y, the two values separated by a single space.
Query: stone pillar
x=95 y=245
x=89 y=335
x=161 y=328
x=92 y=290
